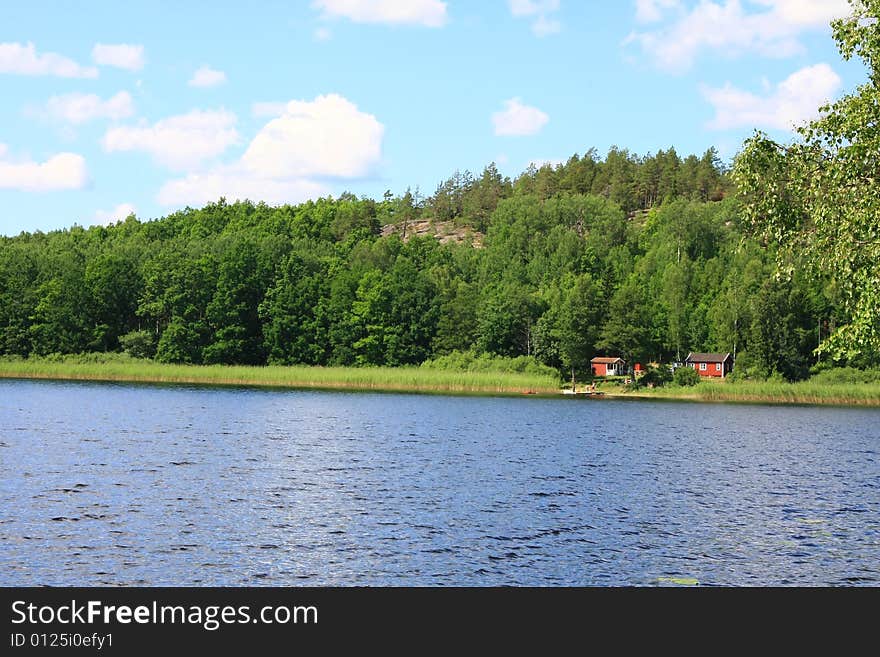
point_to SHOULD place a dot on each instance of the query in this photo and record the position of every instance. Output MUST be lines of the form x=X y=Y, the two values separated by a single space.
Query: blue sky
x=149 y=107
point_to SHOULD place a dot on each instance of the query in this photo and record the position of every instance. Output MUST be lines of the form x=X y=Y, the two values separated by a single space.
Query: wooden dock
x=583 y=393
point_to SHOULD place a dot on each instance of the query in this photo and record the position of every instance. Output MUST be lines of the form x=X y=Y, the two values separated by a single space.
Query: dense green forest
x=643 y=257
x=646 y=257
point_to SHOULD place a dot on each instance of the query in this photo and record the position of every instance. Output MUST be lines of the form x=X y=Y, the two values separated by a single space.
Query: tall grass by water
x=801 y=392
x=843 y=386
x=114 y=367
x=812 y=391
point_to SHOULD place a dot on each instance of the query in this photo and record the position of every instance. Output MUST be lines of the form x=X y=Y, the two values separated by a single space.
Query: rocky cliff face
x=443 y=231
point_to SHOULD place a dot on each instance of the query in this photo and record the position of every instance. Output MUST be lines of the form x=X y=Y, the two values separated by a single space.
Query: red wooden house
x=604 y=366
x=714 y=365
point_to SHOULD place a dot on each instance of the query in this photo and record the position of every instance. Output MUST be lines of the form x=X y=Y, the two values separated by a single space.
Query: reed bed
x=392 y=379
x=774 y=392
x=114 y=367
x=801 y=392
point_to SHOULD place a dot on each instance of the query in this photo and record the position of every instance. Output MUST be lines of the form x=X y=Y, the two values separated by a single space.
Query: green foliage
x=232 y=314
x=470 y=361
x=139 y=344
x=34 y=363
x=506 y=319
x=781 y=333
x=627 y=329
x=114 y=285
x=656 y=376
x=457 y=321
x=686 y=377
x=846 y=375
x=292 y=313
x=818 y=198
x=58 y=323
x=181 y=343
x=747 y=368
x=567 y=331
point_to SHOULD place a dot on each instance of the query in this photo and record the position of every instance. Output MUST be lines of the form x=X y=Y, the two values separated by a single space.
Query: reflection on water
x=122 y=484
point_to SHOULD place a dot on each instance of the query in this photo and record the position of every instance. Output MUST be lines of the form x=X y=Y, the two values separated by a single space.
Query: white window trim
x=717 y=367
x=702 y=367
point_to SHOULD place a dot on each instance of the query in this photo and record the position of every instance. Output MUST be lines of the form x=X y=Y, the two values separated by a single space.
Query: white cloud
x=540 y=10
x=120 y=55
x=326 y=137
x=517 y=120
x=207 y=77
x=808 y=13
x=23 y=59
x=544 y=26
x=532 y=7
x=428 y=13
x=268 y=109
x=307 y=142
x=79 y=108
x=730 y=27
x=107 y=217
x=179 y=142
x=794 y=101
x=61 y=171
x=236 y=183
x=649 y=11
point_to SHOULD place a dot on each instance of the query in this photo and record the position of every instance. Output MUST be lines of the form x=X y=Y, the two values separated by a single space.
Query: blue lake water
x=150 y=485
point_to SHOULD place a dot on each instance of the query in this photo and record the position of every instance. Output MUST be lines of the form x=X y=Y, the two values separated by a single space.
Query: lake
x=180 y=485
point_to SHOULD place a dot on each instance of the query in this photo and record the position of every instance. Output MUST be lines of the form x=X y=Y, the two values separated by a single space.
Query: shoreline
x=426 y=381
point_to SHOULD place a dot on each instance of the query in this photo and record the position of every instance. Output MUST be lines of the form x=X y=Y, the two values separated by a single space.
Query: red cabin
x=713 y=365
x=603 y=366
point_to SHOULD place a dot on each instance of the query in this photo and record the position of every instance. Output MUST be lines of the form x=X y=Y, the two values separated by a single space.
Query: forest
x=646 y=257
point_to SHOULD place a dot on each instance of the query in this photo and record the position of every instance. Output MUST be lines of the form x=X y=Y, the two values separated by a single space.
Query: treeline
x=628 y=180
x=643 y=257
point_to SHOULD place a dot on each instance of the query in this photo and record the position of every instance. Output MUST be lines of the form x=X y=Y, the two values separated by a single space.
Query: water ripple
x=152 y=485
